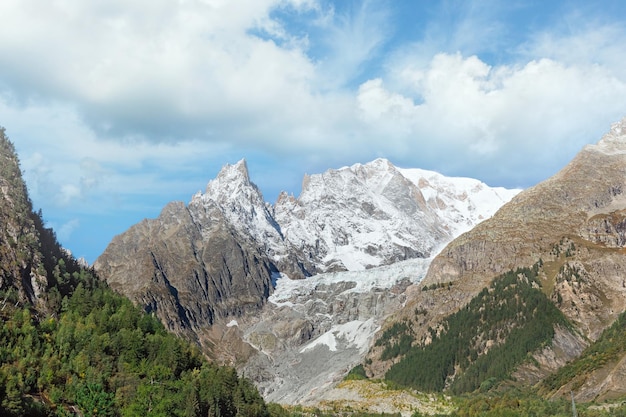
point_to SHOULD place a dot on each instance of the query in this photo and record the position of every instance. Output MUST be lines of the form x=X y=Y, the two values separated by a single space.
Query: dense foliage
x=484 y=342
x=78 y=348
x=103 y=356
x=356 y=373
x=396 y=340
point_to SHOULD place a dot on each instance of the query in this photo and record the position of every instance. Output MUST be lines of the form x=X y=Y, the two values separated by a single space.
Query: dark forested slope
x=480 y=344
x=71 y=346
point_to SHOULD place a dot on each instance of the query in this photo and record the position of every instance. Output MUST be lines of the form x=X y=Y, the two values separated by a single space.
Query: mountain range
x=333 y=262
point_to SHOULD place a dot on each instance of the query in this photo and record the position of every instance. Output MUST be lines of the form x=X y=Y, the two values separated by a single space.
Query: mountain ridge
x=319 y=231
x=572 y=223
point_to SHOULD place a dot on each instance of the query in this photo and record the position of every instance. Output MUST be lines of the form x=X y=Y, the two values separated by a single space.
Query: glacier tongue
x=290 y=292
x=313 y=331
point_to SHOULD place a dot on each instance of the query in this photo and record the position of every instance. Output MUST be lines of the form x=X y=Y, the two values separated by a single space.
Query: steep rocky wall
x=188 y=280
x=21 y=261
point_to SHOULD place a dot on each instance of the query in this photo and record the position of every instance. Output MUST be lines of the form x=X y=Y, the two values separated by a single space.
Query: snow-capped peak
x=459 y=202
x=373 y=214
x=232 y=179
x=614 y=141
x=240 y=201
x=352 y=218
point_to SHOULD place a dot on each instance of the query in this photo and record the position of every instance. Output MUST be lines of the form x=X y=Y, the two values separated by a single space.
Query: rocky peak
x=614 y=141
x=285 y=198
x=241 y=202
x=231 y=175
x=232 y=183
x=358 y=217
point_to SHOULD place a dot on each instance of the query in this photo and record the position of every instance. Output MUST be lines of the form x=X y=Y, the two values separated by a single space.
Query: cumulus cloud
x=469 y=110
x=158 y=69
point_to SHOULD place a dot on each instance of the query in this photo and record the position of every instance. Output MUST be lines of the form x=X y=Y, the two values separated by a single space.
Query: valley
x=377 y=290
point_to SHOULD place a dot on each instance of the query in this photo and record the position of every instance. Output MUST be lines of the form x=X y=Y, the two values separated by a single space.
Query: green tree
x=94 y=401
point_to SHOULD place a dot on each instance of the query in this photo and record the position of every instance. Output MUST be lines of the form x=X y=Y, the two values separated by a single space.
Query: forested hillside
x=482 y=343
x=100 y=355
x=70 y=346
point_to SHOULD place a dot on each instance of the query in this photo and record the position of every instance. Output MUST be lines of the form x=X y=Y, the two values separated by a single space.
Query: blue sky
x=117 y=107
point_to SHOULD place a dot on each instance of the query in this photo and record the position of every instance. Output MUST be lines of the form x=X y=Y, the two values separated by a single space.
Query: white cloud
x=158 y=69
x=64 y=231
x=68 y=167
x=469 y=110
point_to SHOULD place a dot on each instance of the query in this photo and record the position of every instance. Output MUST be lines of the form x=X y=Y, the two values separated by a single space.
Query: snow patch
x=355 y=334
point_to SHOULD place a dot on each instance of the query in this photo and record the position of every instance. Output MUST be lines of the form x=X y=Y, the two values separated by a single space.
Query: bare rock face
x=189 y=266
x=21 y=262
x=565 y=347
x=573 y=222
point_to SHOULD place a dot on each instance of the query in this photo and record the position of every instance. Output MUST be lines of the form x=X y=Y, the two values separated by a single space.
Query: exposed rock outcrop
x=189 y=267
x=22 y=271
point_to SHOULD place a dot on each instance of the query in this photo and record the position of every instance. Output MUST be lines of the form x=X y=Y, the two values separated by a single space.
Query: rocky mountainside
x=21 y=261
x=205 y=266
x=573 y=226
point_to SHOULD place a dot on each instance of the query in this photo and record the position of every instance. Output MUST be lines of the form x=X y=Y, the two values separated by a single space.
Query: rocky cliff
x=573 y=224
x=22 y=272
x=189 y=266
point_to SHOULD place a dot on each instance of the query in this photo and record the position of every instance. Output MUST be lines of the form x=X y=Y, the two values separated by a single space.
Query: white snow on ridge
x=460 y=202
